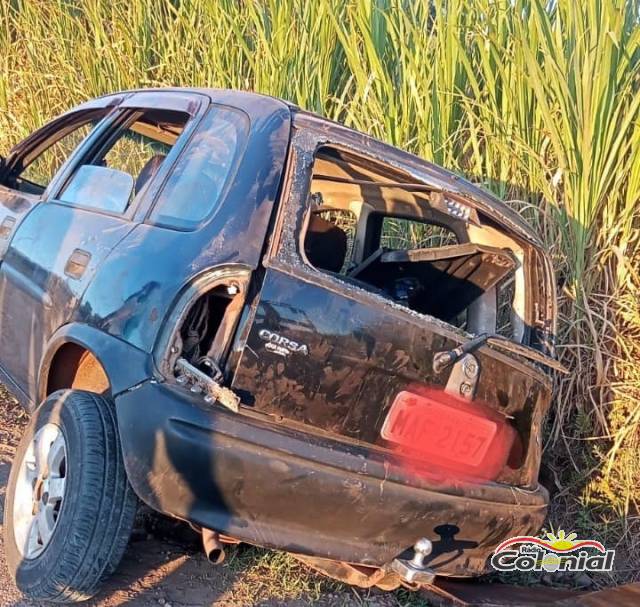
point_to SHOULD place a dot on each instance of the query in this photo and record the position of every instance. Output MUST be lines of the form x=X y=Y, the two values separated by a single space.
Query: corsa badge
x=280 y=345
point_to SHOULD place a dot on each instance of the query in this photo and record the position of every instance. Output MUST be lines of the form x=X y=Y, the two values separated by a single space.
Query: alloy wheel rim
x=40 y=491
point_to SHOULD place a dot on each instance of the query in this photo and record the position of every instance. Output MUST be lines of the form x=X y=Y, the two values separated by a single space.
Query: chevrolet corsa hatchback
x=273 y=327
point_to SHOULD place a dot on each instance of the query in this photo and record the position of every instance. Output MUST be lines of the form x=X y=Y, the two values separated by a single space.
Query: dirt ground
x=164 y=565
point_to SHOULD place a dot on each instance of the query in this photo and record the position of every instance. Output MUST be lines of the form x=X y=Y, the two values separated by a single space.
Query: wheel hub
x=40 y=491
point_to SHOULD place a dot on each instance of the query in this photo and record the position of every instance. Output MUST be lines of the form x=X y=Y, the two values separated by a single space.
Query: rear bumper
x=280 y=487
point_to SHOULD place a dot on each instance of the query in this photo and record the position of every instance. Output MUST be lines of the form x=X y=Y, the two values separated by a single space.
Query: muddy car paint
x=361 y=355
x=364 y=349
x=298 y=468
x=282 y=486
x=125 y=291
x=137 y=291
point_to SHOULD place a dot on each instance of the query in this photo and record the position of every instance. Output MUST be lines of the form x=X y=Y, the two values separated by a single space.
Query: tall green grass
x=538 y=101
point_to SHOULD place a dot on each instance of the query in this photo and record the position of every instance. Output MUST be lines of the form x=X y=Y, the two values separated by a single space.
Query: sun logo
x=562 y=542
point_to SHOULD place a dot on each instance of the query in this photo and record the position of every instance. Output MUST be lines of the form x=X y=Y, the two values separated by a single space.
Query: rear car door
x=88 y=208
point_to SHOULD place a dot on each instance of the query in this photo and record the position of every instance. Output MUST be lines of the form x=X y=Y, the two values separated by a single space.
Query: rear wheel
x=70 y=508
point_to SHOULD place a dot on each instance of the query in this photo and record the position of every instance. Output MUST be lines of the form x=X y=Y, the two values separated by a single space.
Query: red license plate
x=438 y=431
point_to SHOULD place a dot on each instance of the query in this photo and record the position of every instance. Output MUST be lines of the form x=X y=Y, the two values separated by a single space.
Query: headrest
x=325 y=244
x=148 y=171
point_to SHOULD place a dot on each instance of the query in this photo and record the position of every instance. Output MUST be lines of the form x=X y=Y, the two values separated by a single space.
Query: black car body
x=257 y=298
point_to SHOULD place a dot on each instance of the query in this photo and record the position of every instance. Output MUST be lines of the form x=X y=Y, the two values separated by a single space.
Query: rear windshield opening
x=378 y=230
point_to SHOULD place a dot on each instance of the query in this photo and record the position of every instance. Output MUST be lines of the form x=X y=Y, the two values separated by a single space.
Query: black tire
x=97 y=513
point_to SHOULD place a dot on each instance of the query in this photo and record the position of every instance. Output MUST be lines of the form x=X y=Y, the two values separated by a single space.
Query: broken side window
x=408 y=244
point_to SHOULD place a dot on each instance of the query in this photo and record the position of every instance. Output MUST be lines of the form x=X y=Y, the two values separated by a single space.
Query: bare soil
x=164 y=565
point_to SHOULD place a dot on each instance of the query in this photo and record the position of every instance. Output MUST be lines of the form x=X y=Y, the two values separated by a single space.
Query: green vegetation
x=539 y=102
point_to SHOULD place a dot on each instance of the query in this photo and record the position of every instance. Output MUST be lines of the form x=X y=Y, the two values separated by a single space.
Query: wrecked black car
x=273 y=327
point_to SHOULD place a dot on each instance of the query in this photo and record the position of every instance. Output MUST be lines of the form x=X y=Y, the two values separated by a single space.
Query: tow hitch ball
x=414 y=571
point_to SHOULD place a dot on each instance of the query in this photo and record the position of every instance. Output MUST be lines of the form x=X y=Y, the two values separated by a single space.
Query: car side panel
x=14 y=207
x=126 y=367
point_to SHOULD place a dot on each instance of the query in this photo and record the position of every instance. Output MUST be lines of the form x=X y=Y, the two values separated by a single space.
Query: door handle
x=6 y=227
x=77 y=263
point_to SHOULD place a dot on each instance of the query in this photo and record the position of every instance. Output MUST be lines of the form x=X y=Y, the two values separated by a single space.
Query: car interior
x=372 y=227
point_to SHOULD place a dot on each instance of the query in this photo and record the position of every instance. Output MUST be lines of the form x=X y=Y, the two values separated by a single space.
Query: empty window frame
x=399 y=241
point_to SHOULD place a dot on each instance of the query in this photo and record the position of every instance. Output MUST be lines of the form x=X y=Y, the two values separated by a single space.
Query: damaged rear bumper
x=277 y=486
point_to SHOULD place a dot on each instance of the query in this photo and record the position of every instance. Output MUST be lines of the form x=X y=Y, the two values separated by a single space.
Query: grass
x=538 y=101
